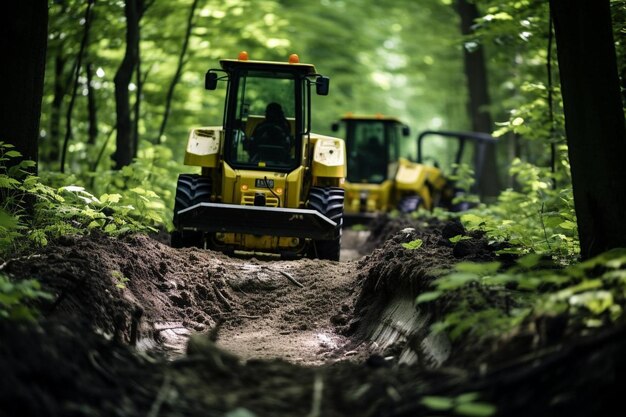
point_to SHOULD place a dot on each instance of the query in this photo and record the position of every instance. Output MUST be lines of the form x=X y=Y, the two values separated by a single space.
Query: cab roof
x=233 y=64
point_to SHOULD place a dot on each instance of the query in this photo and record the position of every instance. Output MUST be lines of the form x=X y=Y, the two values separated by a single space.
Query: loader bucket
x=255 y=220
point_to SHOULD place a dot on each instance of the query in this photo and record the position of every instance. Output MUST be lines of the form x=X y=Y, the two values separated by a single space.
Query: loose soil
x=137 y=328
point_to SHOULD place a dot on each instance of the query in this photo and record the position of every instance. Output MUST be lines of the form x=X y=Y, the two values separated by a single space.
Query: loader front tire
x=191 y=189
x=329 y=202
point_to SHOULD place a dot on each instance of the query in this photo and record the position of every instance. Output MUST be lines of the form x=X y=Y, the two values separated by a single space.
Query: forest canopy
x=124 y=84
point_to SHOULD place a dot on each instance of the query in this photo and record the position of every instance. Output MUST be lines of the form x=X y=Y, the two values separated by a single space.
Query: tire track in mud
x=298 y=324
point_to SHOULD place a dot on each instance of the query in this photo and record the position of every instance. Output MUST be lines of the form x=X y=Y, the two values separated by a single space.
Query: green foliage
x=535 y=219
x=412 y=245
x=462 y=405
x=68 y=209
x=458 y=238
x=15 y=296
x=484 y=301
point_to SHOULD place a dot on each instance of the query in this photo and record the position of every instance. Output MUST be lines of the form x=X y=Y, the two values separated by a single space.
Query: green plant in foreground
x=484 y=301
x=68 y=209
x=535 y=219
x=15 y=295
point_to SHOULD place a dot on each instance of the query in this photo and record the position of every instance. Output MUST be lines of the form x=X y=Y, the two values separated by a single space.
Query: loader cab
x=374 y=145
x=267 y=114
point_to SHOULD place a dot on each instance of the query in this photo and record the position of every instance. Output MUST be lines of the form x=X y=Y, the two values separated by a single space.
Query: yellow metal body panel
x=258 y=243
x=329 y=158
x=203 y=147
x=417 y=178
x=377 y=197
x=240 y=188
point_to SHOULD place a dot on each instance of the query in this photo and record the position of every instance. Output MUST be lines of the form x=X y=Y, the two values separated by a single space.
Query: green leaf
x=529 y=261
x=110 y=198
x=414 y=244
x=13 y=154
x=7 y=221
x=596 y=301
x=467 y=397
x=568 y=225
x=459 y=238
x=437 y=403
x=475 y=409
x=472 y=219
x=427 y=296
x=8 y=182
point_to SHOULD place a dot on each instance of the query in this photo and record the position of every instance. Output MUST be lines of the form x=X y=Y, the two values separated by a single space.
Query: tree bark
x=23 y=41
x=476 y=72
x=594 y=121
x=60 y=89
x=124 y=151
x=70 y=108
x=179 y=70
x=91 y=107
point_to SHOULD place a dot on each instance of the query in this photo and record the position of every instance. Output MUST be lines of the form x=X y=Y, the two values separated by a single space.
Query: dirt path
x=291 y=321
x=292 y=310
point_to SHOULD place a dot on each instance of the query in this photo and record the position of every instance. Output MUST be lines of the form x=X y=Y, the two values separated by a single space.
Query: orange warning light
x=294 y=59
x=244 y=187
x=279 y=191
x=243 y=56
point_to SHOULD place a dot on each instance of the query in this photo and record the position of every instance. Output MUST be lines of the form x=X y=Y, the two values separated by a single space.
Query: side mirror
x=322 y=85
x=210 y=81
x=335 y=127
x=406 y=131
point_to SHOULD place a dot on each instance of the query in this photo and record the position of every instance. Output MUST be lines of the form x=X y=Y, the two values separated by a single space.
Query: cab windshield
x=372 y=150
x=262 y=132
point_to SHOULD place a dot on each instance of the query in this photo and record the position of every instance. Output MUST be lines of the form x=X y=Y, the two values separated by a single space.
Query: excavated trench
x=306 y=318
x=299 y=311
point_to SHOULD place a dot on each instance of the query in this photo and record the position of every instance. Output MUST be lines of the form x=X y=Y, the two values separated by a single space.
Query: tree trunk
x=179 y=70
x=60 y=89
x=91 y=106
x=594 y=121
x=23 y=41
x=124 y=141
x=70 y=108
x=476 y=72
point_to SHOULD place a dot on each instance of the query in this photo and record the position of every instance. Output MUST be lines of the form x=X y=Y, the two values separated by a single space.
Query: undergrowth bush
x=485 y=300
x=535 y=218
x=62 y=205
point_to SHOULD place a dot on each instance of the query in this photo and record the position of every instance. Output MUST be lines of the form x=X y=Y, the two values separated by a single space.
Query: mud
x=138 y=328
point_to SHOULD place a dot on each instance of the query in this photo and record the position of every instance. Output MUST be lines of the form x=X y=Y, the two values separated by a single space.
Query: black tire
x=191 y=189
x=329 y=202
x=410 y=204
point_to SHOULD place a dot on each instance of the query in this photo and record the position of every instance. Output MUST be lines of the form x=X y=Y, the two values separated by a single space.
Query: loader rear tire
x=191 y=189
x=329 y=202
